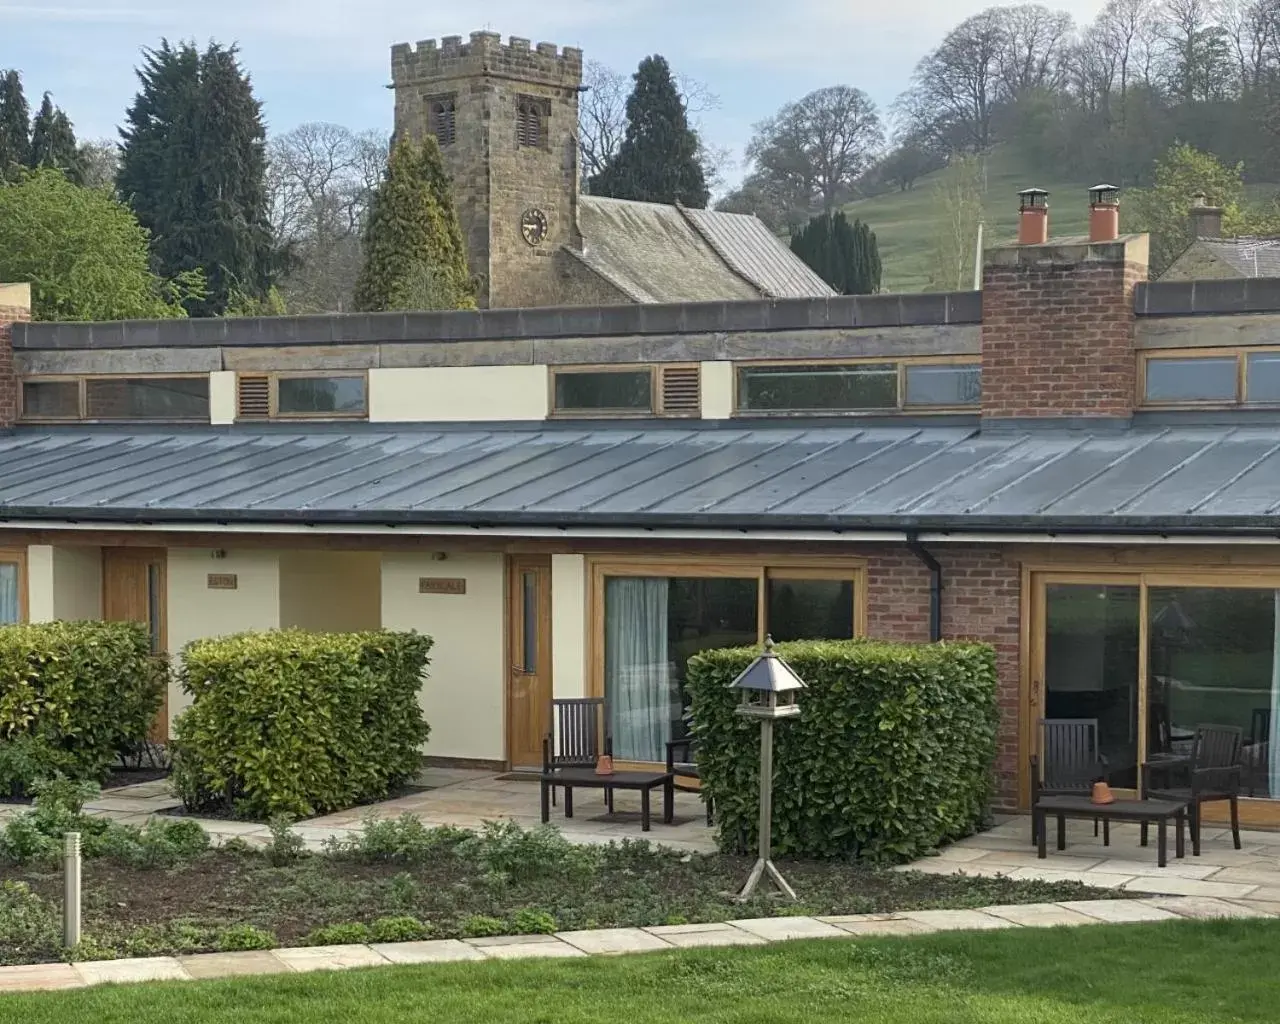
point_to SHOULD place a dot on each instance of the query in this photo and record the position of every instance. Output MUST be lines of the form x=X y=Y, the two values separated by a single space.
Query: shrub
x=892 y=753
x=298 y=723
x=73 y=697
x=29 y=925
x=245 y=936
x=338 y=935
x=286 y=845
x=478 y=926
x=532 y=921
x=505 y=849
x=399 y=929
x=404 y=838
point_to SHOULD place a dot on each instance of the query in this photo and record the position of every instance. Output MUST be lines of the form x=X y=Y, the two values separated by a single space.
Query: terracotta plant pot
x=604 y=765
x=1102 y=794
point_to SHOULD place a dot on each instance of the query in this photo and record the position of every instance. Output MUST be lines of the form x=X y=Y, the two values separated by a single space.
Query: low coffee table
x=586 y=778
x=1142 y=811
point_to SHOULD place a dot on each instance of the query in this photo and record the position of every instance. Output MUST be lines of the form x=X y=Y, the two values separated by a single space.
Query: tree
x=193 y=168
x=53 y=141
x=99 y=162
x=15 y=126
x=844 y=255
x=782 y=210
x=1034 y=46
x=413 y=251
x=83 y=252
x=957 y=198
x=907 y=164
x=658 y=159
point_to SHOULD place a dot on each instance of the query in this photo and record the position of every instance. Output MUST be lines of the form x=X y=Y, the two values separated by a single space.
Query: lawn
x=1172 y=973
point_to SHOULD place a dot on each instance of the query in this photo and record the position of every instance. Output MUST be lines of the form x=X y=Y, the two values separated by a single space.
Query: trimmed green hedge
x=892 y=754
x=74 y=696
x=296 y=723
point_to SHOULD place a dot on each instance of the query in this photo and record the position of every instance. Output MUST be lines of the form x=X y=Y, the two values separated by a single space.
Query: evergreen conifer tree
x=658 y=159
x=414 y=256
x=15 y=126
x=193 y=168
x=844 y=255
x=53 y=141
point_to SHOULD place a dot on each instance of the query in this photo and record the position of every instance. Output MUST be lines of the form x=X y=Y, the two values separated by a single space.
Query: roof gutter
x=935 y=584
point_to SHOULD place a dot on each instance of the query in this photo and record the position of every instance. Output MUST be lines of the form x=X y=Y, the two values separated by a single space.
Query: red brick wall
x=1057 y=332
x=981 y=600
x=8 y=376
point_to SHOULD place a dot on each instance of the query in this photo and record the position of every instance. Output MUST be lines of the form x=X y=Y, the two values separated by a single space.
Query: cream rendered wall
x=63 y=583
x=333 y=591
x=717 y=389
x=40 y=583
x=222 y=396
x=195 y=611
x=458 y=393
x=569 y=625
x=465 y=691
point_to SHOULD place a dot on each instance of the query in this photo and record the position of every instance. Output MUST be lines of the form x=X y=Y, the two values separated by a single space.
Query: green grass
x=1172 y=973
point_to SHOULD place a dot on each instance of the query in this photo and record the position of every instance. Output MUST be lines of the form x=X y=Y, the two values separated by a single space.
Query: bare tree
x=1124 y=30
x=1034 y=45
x=98 y=161
x=1195 y=51
x=819 y=144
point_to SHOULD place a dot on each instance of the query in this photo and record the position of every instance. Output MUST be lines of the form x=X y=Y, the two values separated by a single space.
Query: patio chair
x=1068 y=764
x=682 y=764
x=1211 y=772
x=579 y=735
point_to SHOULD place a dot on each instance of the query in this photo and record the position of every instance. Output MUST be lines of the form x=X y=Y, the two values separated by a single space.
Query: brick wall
x=8 y=376
x=1058 y=327
x=981 y=600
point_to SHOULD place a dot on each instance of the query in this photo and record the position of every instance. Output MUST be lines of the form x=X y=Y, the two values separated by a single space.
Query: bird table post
x=769 y=687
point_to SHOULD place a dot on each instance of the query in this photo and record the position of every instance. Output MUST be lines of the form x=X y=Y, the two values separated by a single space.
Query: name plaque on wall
x=223 y=581
x=441 y=585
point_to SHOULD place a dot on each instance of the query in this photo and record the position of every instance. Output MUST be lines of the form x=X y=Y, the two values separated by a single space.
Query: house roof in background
x=755 y=252
x=1248 y=257
x=661 y=475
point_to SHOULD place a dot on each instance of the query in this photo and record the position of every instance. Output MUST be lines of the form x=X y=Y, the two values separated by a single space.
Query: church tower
x=506 y=118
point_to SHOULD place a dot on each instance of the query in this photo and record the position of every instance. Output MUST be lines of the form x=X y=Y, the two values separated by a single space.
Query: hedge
x=295 y=723
x=74 y=696
x=892 y=754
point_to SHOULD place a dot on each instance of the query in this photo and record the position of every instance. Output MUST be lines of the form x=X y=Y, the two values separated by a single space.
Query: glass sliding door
x=1089 y=665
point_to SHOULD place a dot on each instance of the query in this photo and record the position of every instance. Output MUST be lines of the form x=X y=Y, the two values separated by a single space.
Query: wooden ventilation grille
x=253 y=397
x=681 y=391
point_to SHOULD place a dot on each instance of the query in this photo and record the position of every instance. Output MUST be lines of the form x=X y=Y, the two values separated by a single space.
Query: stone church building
x=506 y=118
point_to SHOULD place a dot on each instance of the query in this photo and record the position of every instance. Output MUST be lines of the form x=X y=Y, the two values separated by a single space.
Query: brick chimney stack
x=1206 y=220
x=15 y=305
x=1058 y=327
x=1104 y=213
x=1033 y=216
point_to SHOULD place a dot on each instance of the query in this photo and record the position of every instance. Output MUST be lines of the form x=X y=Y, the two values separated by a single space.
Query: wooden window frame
x=273 y=393
x=1240 y=353
x=655 y=396
x=18 y=557
x=900 y=363
x=82 y=381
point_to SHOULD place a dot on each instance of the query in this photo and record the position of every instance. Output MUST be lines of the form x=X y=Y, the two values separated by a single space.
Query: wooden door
x=529 y=655
x=133 y=590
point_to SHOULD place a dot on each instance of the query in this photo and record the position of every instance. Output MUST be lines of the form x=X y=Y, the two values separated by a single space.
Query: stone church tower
x=506 y=118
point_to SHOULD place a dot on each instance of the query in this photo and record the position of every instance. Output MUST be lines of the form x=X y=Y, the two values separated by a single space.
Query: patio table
x=586 y=778
x=1142 y=811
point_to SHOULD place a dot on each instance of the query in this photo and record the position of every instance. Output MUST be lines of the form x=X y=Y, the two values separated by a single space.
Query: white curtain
x=1273 y=749
x=636 y=668
x=9 y=604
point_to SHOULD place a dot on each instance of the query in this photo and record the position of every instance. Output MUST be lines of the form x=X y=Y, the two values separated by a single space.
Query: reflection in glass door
x=1090 y=666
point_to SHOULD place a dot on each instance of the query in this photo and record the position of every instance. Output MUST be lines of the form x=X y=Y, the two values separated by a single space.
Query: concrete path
x=614 y=941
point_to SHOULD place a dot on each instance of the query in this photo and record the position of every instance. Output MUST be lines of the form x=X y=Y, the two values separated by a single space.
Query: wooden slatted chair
x=1068 y=763
x=682 y=763
x=1211 y=773
x=579 y=735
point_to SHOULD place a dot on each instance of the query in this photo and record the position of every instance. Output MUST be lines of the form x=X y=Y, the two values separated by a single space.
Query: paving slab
x=956 y=920
x=148 y=968
x=1172 y=885
x=39 y=978
x=232 y=965
x=614 y=940
x=877 y=924
x=1204 y=907
x=1119 y=911
x=958 y=854
x=433 y=951
x=712 y=934
x=778 y=929
x=1262 y=876
x=1098 y=879
x=530 y=946
x=330 y=958
x=1040 y=915
x=1186 y=868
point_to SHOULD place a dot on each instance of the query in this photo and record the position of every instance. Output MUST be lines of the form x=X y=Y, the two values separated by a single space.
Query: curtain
x=9 y=604
x=636 y=667
x=1273 y=749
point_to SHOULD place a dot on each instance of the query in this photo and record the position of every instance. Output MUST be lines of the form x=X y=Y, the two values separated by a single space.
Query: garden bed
x=450 y=883
x=225 y=814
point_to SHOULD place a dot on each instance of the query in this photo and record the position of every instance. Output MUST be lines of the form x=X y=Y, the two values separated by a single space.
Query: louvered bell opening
x=681 y=391
x=253 y=398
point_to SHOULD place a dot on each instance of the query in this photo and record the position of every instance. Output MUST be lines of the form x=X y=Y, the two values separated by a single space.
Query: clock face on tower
x=533 y=226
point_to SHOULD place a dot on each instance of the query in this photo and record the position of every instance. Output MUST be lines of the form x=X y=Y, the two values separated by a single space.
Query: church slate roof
x=658 y=253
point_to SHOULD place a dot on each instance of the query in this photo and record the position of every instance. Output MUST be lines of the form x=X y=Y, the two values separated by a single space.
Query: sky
x=329 y=60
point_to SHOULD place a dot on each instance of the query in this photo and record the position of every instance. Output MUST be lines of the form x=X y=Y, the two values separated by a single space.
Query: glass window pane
x=652 y=627
x=51 y=399
x=529 y=623
x=809 y=609
x=818 y=388
x=1192 y=380
x=603 y=389
x=1091 y=667
x=320 y=396
x=943 y=385
x=1212 y=661
x=10 y=599
x=1262 y=377
x=145 y=398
